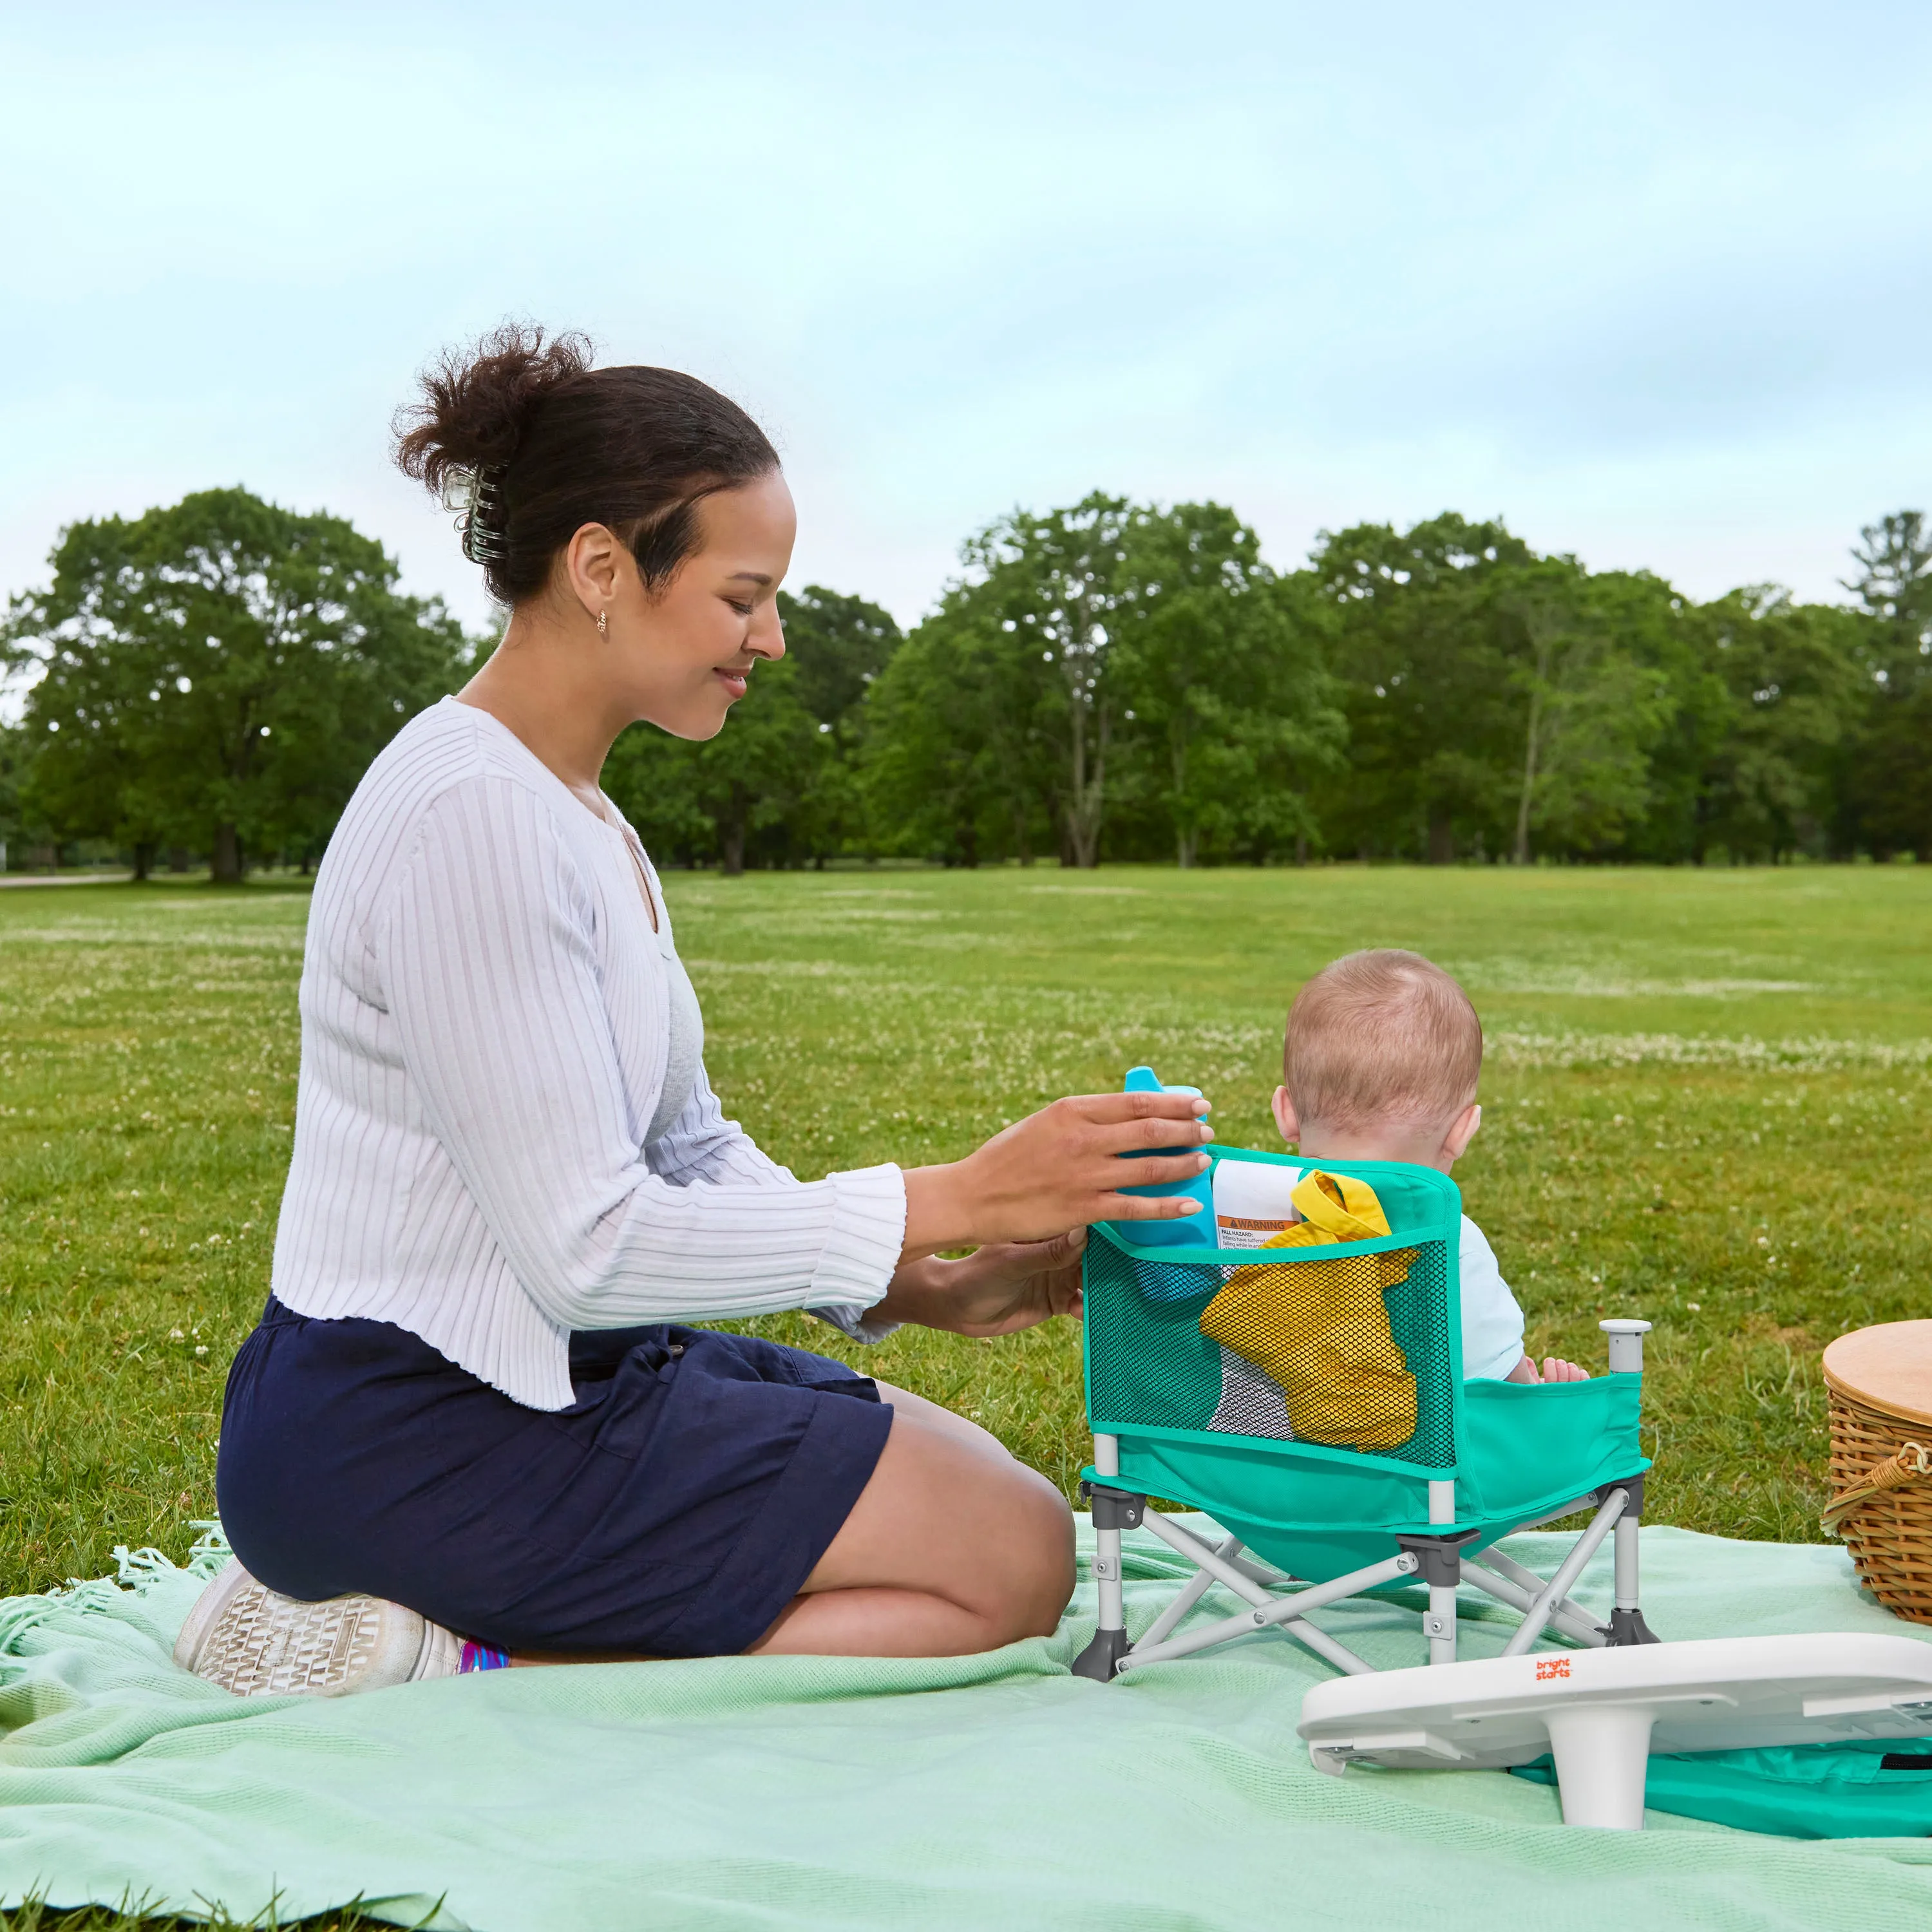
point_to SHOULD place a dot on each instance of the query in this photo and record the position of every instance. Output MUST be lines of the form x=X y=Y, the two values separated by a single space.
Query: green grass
x=34 y=1917
x=1706 y=1103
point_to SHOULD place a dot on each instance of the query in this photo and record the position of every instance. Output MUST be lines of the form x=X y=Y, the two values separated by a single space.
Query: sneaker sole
x=250 y=1640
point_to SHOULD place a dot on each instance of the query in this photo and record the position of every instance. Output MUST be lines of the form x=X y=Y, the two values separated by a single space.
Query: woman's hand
x=998 y=1290
x=1059 y=1169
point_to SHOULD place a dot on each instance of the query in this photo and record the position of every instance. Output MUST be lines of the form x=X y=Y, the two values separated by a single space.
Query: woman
x=471 y=1410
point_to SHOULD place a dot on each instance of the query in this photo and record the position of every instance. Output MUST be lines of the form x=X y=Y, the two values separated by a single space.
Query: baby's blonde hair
x=1381 y=1035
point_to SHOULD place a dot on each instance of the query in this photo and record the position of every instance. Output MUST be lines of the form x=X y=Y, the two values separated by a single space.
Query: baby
x=1381 y=1063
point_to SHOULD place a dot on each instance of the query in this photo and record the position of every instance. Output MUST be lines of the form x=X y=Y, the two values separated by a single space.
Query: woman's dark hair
x=549 y=444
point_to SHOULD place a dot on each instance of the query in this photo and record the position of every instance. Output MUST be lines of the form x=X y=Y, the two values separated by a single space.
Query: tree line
x=213 y=676
x=1113 y=680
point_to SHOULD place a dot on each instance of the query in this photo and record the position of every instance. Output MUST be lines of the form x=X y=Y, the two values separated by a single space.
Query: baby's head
x=1381 y=1062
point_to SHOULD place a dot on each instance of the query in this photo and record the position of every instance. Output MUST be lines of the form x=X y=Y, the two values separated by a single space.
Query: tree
x=1888 y=788
x=16 y=745
x=1893 y=585
x=1792 y=685
x=1051 y=584
x=996 y=720
x=960 y=749
x=1105 y=657
x=839 y=645
x=1595 y=700
x=1221 y=668
x=716 y=797
x=921 y=774
x=1435 y=725
x=220 y=672
x=1498 y=701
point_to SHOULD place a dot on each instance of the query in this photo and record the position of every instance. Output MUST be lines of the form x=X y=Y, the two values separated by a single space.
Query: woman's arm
x=704 y=1144
x=998 y=1290
x=1058 y=1169
x=484 y=953
x=484 y=949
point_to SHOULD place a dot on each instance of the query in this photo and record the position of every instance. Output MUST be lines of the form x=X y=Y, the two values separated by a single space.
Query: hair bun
x=477 y=404
x=530 y=444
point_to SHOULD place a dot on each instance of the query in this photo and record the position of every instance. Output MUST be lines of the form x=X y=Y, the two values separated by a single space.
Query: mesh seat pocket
x=1150 y=1366
x=1320 y=1330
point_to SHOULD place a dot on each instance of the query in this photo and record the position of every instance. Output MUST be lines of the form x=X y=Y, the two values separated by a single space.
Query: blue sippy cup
x=1196 y=1230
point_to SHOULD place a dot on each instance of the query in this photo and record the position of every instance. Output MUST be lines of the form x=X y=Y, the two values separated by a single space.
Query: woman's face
x=685 y=654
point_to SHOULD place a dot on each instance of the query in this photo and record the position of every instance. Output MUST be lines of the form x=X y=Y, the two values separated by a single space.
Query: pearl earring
x=603 y=625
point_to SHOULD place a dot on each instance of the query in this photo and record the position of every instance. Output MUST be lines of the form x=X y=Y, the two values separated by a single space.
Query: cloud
x=1652 y=288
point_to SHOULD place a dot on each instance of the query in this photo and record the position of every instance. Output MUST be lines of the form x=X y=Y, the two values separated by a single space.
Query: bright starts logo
x=1547 y=1667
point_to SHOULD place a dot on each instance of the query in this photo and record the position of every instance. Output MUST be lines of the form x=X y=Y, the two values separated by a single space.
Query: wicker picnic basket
x=1879 y=1382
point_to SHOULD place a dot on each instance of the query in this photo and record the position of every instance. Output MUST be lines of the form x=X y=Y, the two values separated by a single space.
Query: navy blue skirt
x=674 y=1508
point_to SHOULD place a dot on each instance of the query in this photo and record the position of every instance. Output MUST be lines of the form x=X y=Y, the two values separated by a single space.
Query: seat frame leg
x=1626 y=1623
x=1615 y=1501
x=1439 y=1560
x=1114 y=1511
x=1101 y=1659
x=1441 y=1571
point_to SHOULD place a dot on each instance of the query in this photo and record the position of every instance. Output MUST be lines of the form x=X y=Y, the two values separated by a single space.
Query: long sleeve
x=702 y=1145
x=486 y=949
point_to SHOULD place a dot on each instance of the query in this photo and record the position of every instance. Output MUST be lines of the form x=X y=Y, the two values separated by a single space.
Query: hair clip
x=477 y=496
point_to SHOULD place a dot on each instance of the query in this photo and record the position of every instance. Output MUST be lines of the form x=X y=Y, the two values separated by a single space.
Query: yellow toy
x=1320 y=1329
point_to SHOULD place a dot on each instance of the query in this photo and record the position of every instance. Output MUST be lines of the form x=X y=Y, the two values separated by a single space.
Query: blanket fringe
x=136 y=1571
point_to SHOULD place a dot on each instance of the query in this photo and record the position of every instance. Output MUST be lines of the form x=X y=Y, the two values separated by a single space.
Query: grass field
x=1706 y=1100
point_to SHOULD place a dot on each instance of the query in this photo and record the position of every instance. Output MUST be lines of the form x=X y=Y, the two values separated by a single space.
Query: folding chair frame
x=1442 y=1561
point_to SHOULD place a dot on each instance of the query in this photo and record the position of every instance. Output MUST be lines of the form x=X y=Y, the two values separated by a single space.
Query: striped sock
x=480 y=1657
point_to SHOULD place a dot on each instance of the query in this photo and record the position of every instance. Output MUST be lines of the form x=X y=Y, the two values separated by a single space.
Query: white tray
x=1601 y=1712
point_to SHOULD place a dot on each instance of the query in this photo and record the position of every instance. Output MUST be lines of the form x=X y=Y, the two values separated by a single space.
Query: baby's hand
x=1555 y=1369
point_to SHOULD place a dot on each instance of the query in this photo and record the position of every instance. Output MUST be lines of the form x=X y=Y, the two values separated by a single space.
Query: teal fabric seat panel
x=1146 y=1359
x=1526 y=1449
x=1155 y=1383
x=1315 y=1526
x=1322 y=1513
x=1149 y=1366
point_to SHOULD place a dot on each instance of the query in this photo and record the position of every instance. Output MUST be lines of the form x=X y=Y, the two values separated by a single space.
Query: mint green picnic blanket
x=995 y=1791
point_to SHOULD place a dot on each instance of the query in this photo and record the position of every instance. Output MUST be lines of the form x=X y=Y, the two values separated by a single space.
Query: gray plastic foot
x=1628 y=1627
x=1102 y=1658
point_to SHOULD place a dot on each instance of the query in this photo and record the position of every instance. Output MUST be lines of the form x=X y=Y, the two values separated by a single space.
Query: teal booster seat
x=1422 y=1498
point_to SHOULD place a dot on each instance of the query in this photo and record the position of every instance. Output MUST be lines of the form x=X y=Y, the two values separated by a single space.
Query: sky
x=1653 y=283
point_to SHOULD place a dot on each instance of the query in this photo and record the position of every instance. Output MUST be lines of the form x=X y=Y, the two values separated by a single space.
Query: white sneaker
x=252 y=1642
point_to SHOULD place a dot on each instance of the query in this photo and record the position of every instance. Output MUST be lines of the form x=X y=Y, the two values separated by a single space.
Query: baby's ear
x=1285 y=1117
x=1462 y=1132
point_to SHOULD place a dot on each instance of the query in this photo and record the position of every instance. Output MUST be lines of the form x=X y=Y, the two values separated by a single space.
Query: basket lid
x=1889 y=1367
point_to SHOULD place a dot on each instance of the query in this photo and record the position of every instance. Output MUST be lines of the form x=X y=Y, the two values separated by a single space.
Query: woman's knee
x=1043 y=1582
x=1021 y=1577
x=988 y=1534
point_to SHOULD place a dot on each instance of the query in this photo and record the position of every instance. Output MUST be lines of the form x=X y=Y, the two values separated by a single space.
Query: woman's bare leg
x=918 y=1408
x=953 y=1547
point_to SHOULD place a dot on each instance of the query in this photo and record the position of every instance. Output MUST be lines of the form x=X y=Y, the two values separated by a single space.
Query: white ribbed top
x=684 y=1041
x=485 y=1025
